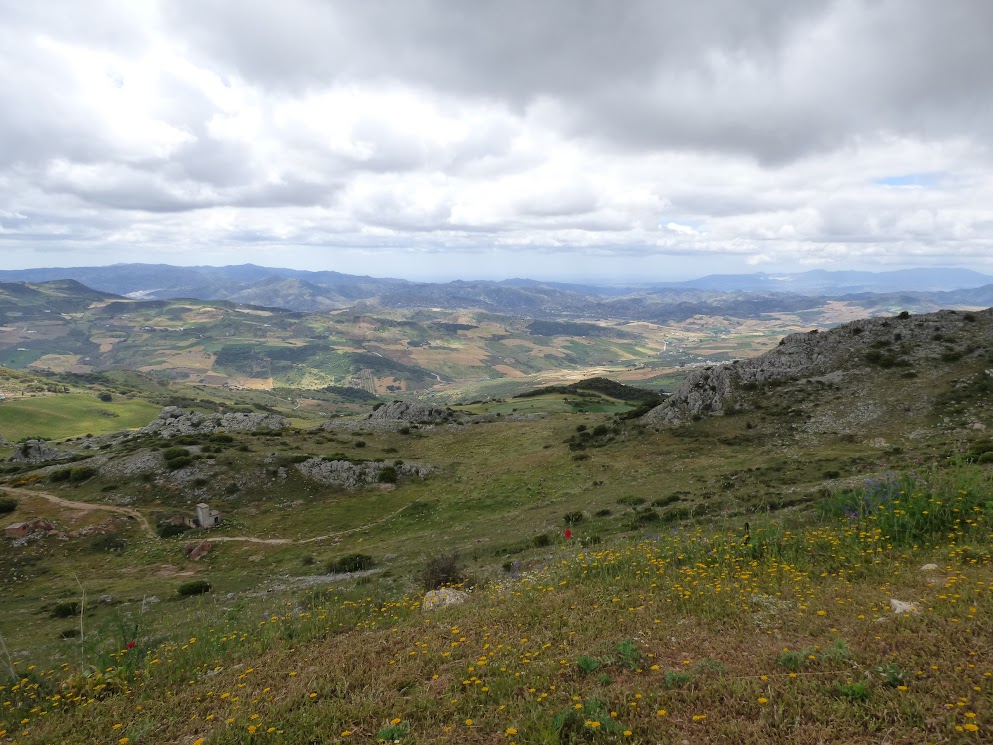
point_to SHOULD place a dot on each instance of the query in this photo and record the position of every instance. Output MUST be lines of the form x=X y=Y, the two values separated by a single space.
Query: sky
x=430 y=139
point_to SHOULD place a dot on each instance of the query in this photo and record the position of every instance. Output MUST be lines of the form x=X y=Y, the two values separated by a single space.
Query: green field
x=71 y=415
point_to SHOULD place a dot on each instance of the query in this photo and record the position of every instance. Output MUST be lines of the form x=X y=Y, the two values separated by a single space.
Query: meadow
x=778 y=632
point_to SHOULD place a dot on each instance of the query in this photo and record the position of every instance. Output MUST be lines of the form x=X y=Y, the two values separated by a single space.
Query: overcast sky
x=543 y=138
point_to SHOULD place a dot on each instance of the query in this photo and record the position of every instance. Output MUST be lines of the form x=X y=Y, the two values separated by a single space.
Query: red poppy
x=130 y=645
x=568 y=534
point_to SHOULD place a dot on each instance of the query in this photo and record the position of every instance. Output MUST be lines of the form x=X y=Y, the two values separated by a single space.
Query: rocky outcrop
x=174 y=421
x=397 y=415
x=347 y=475
x=37 y=451
x=417 y=413
x=872 y=343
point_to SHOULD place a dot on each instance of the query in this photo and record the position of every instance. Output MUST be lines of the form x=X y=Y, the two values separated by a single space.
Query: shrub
x=173 y=453
x=666 y=501
x=351 y=563
x=193 y=587
x=82 y=473
x=7 y=505
x=574 y=518
x=60 y=475
x=587 y=664
x=176 y=463
x=221 y=438
x=109 y=543
x=631 y=501
x=542 y=541
x=359 y=443
x=388 y=475
x=602 y=513
x=857 y=691
x=168 y=530
x=106 y=397
x=65 y=609
x=441 y=570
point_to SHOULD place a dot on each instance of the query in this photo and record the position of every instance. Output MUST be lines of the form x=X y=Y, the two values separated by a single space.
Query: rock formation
x=871 y=343
x=174 y=421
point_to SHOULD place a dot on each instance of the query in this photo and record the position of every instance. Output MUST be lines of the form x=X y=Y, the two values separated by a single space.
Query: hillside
x=851 y=378
x=721 y=579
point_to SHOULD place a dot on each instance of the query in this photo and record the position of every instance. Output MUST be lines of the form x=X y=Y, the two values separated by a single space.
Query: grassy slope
x=699 y=635
x=62 y=416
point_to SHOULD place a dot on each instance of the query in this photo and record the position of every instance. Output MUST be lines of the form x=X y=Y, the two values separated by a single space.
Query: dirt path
x=131 y=512
x=84 y=506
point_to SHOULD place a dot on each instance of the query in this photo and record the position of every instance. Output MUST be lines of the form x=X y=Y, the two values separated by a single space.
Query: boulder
x=901 y=607
x=37 y=451
x=443 y=598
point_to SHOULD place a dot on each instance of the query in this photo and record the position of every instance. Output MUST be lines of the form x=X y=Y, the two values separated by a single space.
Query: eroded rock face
x=829 y=356
x=347 y=475
x=174 y=421
x=37 y=451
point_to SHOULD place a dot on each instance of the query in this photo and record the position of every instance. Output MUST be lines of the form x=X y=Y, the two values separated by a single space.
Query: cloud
x=770 y=132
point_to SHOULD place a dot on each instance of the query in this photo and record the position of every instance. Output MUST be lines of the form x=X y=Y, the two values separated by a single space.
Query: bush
x=359 y=443
x=173 y=453
x=351 y=563
x=221 y=438
x=441 y=570
x=574 y=518
x=109 y=543
x=388 y=475
x=82 y=473
x=7 y=505
x=603 y=513
x=105 y=397
x=193 y=587
x=65 y=609
x=60 y=475
x=542 y=541
x=176 y=463
x=168 y=530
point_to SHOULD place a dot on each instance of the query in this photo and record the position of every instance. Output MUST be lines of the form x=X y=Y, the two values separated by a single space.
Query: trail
x=84 y=506
x=131 y=512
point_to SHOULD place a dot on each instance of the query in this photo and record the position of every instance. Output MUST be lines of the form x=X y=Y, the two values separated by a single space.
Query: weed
x=588 y=664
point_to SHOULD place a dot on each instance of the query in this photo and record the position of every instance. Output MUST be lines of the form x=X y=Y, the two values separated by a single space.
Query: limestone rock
x=929 y=568
x=821 y=356
x=443 y=598
x=37 y=451
x=174 y=421
x=901 y=607
x=348 y=475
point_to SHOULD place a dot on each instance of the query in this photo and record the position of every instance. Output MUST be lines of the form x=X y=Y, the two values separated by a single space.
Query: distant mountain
x=243 y=283
x=823 y=282
x=742 y=295
x=20 y=302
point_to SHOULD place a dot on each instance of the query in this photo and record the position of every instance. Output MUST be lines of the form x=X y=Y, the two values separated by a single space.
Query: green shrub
x=65 y=609
x=173 y=453
x=442 y=570
x=221 y=438
x=109 y=543
x=193 y=587
x=542 y=541
x=60 y=475
x=82 y=473
x=175 y=464
x=574 y=518
x=359 y=443
x=7 y=505
x=168 y=530
x=631 y=501
x=351 y=563
x=388 y=475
